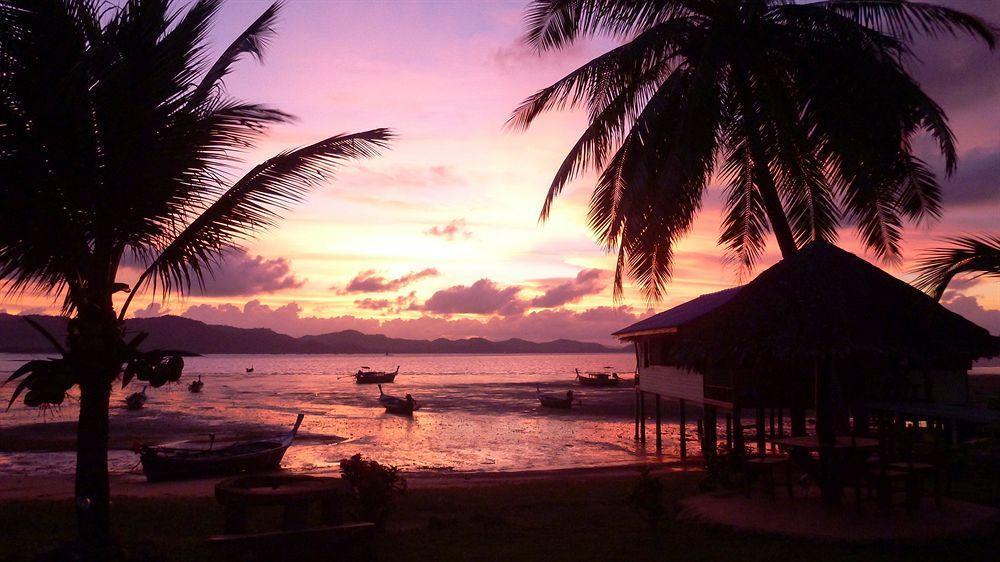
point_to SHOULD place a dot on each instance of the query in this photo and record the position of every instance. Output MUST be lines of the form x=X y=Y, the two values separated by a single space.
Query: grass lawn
x=571 y=519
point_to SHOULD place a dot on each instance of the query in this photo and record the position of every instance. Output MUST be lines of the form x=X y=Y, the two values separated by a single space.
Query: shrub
x=376 y=487
x=646 y=497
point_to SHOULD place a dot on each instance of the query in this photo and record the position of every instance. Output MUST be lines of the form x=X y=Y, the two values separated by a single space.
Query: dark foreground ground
x=571 y=518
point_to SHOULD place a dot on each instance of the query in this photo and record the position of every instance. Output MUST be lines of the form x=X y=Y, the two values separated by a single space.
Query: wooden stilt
x=637 y=416
x=729 y=431
x=709 y=440
x=738 y=445
x=761 y=442
x=781 y=422
x=770 y=429
x=659 y=434
x=642 y=417
x=683 y=421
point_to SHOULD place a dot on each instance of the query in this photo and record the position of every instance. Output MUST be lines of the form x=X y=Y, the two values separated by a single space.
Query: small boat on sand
x=598 y=378
x=367 y=376
x=395 y=405
x=169 y=462
x=196 y=386
x=555 y=400
x=136 y=400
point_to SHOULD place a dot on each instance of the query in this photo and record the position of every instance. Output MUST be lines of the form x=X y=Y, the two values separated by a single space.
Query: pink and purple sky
x=439 y=237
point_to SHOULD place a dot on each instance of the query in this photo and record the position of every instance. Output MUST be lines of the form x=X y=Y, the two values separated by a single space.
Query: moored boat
x=554 y=400
x=136 y=400
x=598 y=378
x=366 y=376
x=165 y=462
x=395 y=405
x=196 y=386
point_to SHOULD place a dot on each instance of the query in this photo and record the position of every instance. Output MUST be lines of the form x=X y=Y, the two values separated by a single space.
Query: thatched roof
x=674 y=317
x=824 y=302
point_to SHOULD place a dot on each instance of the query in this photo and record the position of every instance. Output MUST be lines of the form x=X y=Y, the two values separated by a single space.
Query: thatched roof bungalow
x=823 y=315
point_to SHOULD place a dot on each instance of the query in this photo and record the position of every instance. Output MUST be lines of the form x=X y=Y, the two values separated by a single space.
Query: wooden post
x=636 y=415
x=729 y=431
x=770 y=429
x=761 y=443
x=683 y=421
x=781 y=422
x=709 y=435
x=738 y=445
x=798 y=419
x=659 y=435
x=642 y=417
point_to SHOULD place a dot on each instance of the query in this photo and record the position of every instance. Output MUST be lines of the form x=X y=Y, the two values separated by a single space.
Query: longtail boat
x=553 y=400
x=395 y=405
x=196 y=386
x=170 y=462
x=136 y=400
x=598 y=378
x=366 y=376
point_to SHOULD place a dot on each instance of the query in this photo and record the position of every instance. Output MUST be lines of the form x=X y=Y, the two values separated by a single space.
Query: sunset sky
x=440 y=236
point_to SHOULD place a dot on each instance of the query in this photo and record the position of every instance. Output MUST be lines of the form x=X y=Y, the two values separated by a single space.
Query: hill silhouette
x=175 y=332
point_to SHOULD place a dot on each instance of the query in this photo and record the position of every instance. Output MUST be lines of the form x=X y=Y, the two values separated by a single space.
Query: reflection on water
x=478 y=412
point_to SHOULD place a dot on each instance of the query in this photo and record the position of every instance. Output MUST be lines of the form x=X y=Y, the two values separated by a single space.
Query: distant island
x=175 y=332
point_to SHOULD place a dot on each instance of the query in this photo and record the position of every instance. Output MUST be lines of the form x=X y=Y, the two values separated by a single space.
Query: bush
x=646 y=497
x=376 y=487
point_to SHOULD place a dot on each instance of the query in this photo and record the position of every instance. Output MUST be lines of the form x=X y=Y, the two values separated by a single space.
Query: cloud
x=595 y=324
x=396 y=305
x=977 y=179
x=587 y=282
x=454 y=229
x=369 y=281
x=403 y=176
x=970 y=308
x=153 y=310
x=242 y=274
x=482 y=297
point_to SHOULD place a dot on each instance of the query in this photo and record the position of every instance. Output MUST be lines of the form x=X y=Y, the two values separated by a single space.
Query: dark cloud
x=454 y=229
x=977 y=179
x=482 y=297
x=242 y=274
x=970 y=308
x=587 y=282
x=369 y=281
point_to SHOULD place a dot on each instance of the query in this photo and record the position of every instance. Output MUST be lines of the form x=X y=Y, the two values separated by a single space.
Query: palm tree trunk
x=92 y=489
x=94 y=343
x=772 y=202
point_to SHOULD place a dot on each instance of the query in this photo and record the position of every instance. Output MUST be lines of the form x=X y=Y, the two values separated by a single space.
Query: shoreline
x=60 y=487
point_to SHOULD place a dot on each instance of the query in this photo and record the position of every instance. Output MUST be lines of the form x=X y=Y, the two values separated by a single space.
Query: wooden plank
x=683 y=424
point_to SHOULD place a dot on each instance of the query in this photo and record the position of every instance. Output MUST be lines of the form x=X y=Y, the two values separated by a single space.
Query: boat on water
x=136 y=400
x=598 y=378
x=367 y=376
x=395 y=405
x=196 y=386
x=250 y=369
x=175 y=462
x=555 y=400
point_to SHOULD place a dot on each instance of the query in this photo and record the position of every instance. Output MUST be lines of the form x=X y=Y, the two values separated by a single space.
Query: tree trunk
x=772 y=202
x=95 y=344
x=92 y=490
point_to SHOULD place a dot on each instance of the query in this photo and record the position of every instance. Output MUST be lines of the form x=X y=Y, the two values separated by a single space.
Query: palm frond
x=251 y=205
x=552 y=24
x=975 y=255
x=903 y=18
x=254 y=41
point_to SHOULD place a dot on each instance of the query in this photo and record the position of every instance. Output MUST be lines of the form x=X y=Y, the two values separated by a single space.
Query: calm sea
x=479 y=412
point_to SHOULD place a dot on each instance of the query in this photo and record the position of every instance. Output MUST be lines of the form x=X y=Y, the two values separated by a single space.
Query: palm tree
x=118 y=139
x=805 y=110
x=978 y=256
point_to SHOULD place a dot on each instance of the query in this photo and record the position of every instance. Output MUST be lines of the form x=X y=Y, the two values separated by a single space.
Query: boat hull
x=159 y=467
x=374 y=378
x=597 y=381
